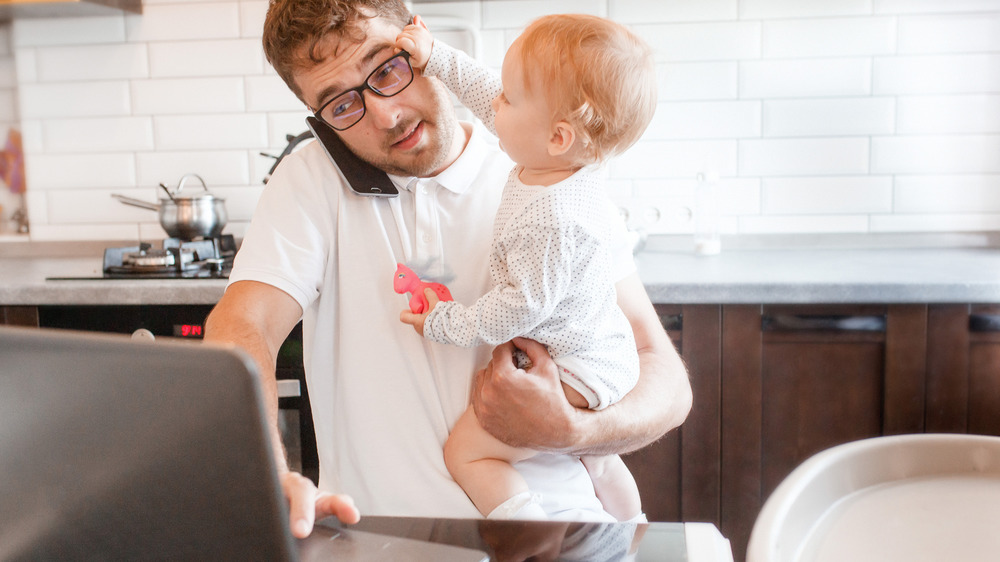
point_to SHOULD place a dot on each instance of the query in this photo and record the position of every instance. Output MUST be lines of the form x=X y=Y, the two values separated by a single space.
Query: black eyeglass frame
x=361 y=91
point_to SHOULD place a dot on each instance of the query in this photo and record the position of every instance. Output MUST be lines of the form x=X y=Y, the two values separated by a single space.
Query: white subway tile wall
x=9 y=201
x=820 y=116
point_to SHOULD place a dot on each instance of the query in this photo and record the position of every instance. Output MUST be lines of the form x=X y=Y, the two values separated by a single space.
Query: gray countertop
x=23 y=281
x=898 y=275
x=757 y=275
x=25 y=268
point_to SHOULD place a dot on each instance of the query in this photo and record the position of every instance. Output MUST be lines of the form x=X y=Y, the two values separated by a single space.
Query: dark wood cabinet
x=656 y=468
x=800 y=379
x=963 y=374
x=984 y=370
x=679 y=475
x=19 y=316
x=774 y=385
x=701 y=434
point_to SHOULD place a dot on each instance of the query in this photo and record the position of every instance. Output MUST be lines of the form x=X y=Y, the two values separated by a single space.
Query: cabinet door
x=947 y=368
x=821 y=384
x=984 y=370
x=800 y=379
x=19 y=316
x=656 y=468
x=678 y=476
x=963 y=372
x=701 y=433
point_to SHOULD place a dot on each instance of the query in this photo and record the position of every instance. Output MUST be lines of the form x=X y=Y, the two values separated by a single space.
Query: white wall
x=9 y=202
x=822 y=116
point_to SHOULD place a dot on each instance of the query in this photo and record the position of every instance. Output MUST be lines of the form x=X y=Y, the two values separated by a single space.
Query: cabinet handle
x=837 y=323
x=984 y=322
x=672 y=322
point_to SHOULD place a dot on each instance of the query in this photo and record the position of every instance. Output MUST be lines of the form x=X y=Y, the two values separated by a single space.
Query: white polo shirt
x=383 y=398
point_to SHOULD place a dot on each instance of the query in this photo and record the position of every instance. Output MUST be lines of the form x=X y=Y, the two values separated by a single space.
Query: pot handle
x=136 y=202
x=184 y=179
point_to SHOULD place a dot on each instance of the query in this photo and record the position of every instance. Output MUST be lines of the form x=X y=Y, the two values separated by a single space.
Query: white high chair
x=906 y=498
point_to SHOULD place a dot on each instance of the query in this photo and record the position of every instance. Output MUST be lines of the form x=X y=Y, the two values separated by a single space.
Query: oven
x=188 y=321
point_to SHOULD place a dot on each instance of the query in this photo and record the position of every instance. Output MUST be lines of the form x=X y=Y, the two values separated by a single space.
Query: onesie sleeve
x=538 y=272
x=473 y=83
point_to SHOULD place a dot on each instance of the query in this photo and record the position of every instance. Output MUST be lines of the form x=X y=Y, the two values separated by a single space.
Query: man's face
x=414 y=133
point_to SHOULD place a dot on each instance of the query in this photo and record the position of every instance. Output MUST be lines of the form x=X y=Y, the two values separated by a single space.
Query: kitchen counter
x=812 y=272
x=926 y=275
x=25 y=267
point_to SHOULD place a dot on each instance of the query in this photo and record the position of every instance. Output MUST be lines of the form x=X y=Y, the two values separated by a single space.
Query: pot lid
x=175 y=194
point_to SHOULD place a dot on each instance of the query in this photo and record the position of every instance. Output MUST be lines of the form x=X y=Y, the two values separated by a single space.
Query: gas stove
x=176 y=259
x=208 y=258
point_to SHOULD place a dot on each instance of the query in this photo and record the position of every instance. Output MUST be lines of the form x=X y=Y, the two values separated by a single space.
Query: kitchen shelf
x=13 y=9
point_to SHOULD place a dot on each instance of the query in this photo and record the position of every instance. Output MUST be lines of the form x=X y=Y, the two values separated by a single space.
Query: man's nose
x=384 y=112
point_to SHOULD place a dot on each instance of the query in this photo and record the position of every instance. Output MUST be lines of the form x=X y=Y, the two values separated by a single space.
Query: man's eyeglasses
x=390 y=78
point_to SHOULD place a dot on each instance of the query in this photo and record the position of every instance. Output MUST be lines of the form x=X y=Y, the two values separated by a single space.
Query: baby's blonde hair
x=596 y=74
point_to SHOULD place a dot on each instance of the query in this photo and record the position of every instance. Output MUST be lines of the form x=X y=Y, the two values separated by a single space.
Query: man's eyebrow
x=373 y=51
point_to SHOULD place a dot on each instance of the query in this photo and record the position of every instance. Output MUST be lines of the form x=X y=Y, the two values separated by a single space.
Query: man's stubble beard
x=435 y=154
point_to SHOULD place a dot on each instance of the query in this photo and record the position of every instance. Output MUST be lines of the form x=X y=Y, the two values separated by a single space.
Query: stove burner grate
x=206 y=258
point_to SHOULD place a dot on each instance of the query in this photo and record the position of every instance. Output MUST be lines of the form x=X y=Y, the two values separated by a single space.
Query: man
x=384 y=399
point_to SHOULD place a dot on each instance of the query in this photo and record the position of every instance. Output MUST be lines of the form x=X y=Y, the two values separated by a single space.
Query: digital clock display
x=189 y=330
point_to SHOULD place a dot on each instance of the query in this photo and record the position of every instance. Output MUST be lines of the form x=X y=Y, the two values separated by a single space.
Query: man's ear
x=562 y=139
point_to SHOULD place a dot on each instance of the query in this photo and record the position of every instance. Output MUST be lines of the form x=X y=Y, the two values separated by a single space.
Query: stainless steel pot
x=183 y=217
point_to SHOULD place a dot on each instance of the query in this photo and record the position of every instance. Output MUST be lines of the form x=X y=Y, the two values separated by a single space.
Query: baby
x=574 y=90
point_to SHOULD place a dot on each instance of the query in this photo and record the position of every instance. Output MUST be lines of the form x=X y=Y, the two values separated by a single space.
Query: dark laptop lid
x=117 y=449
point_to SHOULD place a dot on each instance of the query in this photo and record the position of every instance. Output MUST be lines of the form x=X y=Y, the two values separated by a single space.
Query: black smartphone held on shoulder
x=363 y=178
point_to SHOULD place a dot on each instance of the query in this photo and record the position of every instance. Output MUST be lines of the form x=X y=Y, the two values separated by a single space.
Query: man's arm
x=257 y=318
x=530 y=410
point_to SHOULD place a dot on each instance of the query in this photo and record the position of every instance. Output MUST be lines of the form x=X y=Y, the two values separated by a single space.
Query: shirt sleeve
x=473 y=83
x=284 y=246
x=537 y=266
x=621 y=245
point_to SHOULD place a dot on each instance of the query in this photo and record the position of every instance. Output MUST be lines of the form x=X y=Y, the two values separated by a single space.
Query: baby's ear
x=562 y=139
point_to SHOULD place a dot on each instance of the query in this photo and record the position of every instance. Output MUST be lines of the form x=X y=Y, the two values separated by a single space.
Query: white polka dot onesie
x=550 y=265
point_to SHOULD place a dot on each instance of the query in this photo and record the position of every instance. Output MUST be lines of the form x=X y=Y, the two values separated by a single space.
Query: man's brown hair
x=293 y=29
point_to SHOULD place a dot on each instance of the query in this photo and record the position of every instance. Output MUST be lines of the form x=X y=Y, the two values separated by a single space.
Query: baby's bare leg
x=614 y=485
x=481 y=464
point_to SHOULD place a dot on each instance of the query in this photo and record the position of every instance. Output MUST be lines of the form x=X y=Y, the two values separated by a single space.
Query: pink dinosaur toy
x=407 y=282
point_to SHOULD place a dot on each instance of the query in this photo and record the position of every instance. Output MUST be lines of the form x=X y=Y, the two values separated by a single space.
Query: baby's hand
x=417 y=319
x=417 y=40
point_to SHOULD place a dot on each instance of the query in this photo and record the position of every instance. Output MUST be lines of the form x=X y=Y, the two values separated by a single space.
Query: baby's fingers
x=405 y=43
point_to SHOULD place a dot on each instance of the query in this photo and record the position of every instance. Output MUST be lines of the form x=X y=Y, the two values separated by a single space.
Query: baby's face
x=523 y=119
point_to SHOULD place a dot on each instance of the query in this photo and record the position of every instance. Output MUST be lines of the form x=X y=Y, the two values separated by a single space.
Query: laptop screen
x=117 y=449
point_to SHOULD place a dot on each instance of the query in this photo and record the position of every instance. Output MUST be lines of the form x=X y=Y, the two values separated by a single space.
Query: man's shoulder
x=309 y=158
x=307 y=170
x=481 y=163
x=487 y=150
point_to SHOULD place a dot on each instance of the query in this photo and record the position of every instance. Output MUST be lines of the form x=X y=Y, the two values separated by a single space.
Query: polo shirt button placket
x=426 y=220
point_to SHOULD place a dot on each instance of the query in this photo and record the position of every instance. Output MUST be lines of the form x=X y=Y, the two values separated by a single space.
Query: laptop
x=115 y=449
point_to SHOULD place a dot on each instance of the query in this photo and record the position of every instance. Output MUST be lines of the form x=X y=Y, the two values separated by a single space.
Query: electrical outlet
x=657 y=217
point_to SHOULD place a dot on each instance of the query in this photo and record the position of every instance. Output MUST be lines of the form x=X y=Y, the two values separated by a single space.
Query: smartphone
x=363 y=178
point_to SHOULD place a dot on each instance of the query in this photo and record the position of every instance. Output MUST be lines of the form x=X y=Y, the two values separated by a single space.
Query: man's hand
x=525 y=408
x=417 y=40
x=530 y=409
x=417 y=320
x=306 y=504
